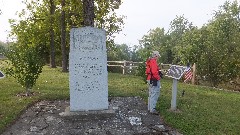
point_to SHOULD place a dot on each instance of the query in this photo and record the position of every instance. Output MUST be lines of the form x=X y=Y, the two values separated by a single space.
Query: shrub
x=25 y=64
x=141 y=71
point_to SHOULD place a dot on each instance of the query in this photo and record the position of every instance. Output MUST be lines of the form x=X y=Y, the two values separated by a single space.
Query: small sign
x=1 y=75
x=176 y=71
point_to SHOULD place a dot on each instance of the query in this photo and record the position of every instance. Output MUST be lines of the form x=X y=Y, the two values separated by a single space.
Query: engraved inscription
x=89 y=42
x=88 y=69
x=88 y=87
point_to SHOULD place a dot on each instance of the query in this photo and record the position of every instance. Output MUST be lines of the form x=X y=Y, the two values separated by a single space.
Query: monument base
x=92 y=114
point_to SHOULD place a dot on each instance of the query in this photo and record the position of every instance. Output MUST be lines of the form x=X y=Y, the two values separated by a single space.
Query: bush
x=141 y=71
x=25 y=64
x=115 y=69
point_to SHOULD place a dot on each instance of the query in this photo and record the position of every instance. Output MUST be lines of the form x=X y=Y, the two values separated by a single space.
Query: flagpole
x=194 y=73
x=174 y=95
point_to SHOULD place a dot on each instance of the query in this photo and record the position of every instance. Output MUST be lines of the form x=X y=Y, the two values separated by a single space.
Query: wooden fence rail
x=130 y=64
x=124 y=64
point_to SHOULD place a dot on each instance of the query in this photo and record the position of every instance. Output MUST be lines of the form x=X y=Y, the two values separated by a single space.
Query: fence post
x=194 y=73
x=124 y=66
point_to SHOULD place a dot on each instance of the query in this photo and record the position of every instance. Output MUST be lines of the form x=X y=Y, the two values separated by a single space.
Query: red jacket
x=152 y=69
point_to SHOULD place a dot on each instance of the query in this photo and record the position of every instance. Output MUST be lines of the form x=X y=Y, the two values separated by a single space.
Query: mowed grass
x=201 y=110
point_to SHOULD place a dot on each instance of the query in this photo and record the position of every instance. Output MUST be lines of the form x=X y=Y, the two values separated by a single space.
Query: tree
x=136 y=54
x=52 y=46
x=120 y=52
x=215 y=47
x=88 y=13
x=106 y=18
x=178 y=27
x=63 y=38
x=25 y=64
x=154 y=40
x=224 y=47
x=37 y=19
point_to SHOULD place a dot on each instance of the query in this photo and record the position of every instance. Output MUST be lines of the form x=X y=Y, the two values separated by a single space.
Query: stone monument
x=88 y=77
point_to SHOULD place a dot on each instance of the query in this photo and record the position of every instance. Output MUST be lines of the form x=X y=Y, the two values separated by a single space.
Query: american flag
x=188 y=74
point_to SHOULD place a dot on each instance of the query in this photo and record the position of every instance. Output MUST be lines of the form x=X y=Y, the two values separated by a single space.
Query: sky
x=142 y=15
x=8 y=8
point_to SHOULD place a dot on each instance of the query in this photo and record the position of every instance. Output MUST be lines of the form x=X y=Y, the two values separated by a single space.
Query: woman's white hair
x=155 y=54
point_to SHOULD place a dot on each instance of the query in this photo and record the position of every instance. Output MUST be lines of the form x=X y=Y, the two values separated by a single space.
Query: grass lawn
x=201 y=110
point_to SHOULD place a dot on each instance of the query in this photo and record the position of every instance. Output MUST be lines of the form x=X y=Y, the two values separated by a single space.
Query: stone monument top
x=88 y=78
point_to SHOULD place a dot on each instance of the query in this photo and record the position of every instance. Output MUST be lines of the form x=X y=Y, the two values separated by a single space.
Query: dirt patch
x=24 y=94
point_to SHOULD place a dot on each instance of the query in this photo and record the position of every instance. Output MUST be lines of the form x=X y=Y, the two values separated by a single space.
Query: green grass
x=202 y=110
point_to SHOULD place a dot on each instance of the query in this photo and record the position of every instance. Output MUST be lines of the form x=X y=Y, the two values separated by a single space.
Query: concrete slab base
x=125 y=116
x=93 y=114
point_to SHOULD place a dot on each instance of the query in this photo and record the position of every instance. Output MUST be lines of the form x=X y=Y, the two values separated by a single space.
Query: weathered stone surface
x=130 y=118
x=88 y=79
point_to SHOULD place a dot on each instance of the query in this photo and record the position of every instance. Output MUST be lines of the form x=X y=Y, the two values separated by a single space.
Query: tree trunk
x=88 y=13
x=52 y=47
x=28 y=91
x=63 y=38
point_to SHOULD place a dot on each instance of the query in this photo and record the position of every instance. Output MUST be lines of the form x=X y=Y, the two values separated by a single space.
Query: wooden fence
x=130 y=64
x=123 y=64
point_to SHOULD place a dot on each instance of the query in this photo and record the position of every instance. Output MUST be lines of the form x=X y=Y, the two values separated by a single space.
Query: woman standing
x=153 y=79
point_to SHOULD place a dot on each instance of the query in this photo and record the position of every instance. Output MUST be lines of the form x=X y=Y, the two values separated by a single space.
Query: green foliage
x=141 y=71
x=215 y=47
x=136 y=54
x=123 y=52
x=178 y=27
x=1 y=49
x=154 y=40
x=119 y=52
x=35 y=23
x=25 y=64
x=3 y=46
x=108 y=20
